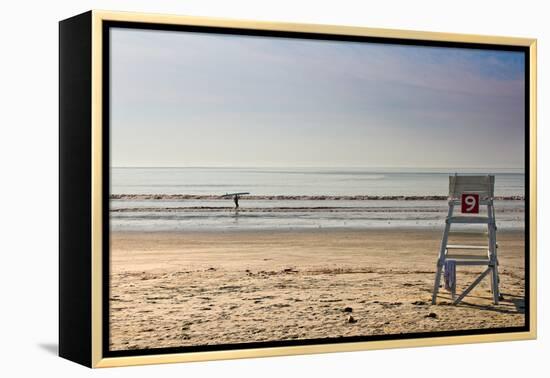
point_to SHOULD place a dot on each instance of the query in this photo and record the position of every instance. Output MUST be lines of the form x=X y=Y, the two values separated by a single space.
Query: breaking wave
x=292 y=197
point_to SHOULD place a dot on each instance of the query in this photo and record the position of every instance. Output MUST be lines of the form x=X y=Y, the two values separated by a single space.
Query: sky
x=183 y=99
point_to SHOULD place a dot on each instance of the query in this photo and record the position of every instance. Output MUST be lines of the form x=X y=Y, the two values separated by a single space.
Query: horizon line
x=314 y=166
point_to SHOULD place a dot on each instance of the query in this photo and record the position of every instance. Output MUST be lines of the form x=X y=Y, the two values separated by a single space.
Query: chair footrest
x=460 y=246
x=466 y=257
x=469 y=260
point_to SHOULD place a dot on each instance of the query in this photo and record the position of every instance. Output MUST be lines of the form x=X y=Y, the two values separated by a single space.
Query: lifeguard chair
x=469 y=193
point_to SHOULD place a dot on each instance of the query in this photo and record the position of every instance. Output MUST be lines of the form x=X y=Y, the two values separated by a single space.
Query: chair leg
x=492 y=286
x=494 y=282
x=442 y=253
x=437 y=282
x=493 y=254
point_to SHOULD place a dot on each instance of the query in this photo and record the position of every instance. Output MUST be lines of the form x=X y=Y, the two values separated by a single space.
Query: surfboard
x=235 y=194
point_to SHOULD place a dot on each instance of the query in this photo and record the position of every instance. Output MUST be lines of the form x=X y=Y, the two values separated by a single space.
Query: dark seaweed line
x=266 y=209
x=283 y=209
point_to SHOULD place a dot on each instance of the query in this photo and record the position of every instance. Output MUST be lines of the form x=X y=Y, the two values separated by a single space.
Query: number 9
x=470 y=202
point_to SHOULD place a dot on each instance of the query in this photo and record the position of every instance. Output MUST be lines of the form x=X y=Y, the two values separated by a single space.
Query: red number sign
x=470 y=203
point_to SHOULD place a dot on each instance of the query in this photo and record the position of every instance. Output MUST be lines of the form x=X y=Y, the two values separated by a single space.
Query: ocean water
x=190 y=199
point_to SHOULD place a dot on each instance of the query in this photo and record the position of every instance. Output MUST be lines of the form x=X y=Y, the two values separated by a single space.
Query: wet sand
x=187 y=289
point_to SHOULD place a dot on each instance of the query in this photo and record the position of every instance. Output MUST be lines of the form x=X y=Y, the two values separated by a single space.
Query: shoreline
x=341 y=230
x=427 y=197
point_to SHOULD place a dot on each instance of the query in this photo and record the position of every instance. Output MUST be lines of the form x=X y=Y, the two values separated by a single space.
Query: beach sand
x=193 y=288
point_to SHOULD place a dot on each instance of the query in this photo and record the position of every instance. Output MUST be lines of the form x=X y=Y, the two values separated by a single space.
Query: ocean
x=190 y=199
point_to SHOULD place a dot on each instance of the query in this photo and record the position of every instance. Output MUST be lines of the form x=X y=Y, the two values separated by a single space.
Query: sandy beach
x=171 y=289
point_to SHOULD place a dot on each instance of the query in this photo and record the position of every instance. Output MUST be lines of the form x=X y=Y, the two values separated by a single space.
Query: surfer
x=235 y=197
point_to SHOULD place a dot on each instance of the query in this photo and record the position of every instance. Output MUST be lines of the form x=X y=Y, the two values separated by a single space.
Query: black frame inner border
x=107 y=25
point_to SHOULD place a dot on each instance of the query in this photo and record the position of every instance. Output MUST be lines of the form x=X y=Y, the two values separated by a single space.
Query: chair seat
x=469 y=220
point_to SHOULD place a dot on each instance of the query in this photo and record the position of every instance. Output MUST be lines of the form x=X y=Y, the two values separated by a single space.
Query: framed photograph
x=235 y=189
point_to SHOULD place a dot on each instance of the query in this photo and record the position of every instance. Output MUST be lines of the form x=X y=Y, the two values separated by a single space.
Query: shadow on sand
x=513 y=305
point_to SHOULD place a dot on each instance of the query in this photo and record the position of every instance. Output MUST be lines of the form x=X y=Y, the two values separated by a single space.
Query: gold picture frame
x=82 y=246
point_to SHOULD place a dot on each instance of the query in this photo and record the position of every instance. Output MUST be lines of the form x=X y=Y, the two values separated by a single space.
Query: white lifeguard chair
x=464 y=192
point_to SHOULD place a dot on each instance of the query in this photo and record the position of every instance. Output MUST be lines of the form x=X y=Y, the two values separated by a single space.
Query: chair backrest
x=482 y=185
